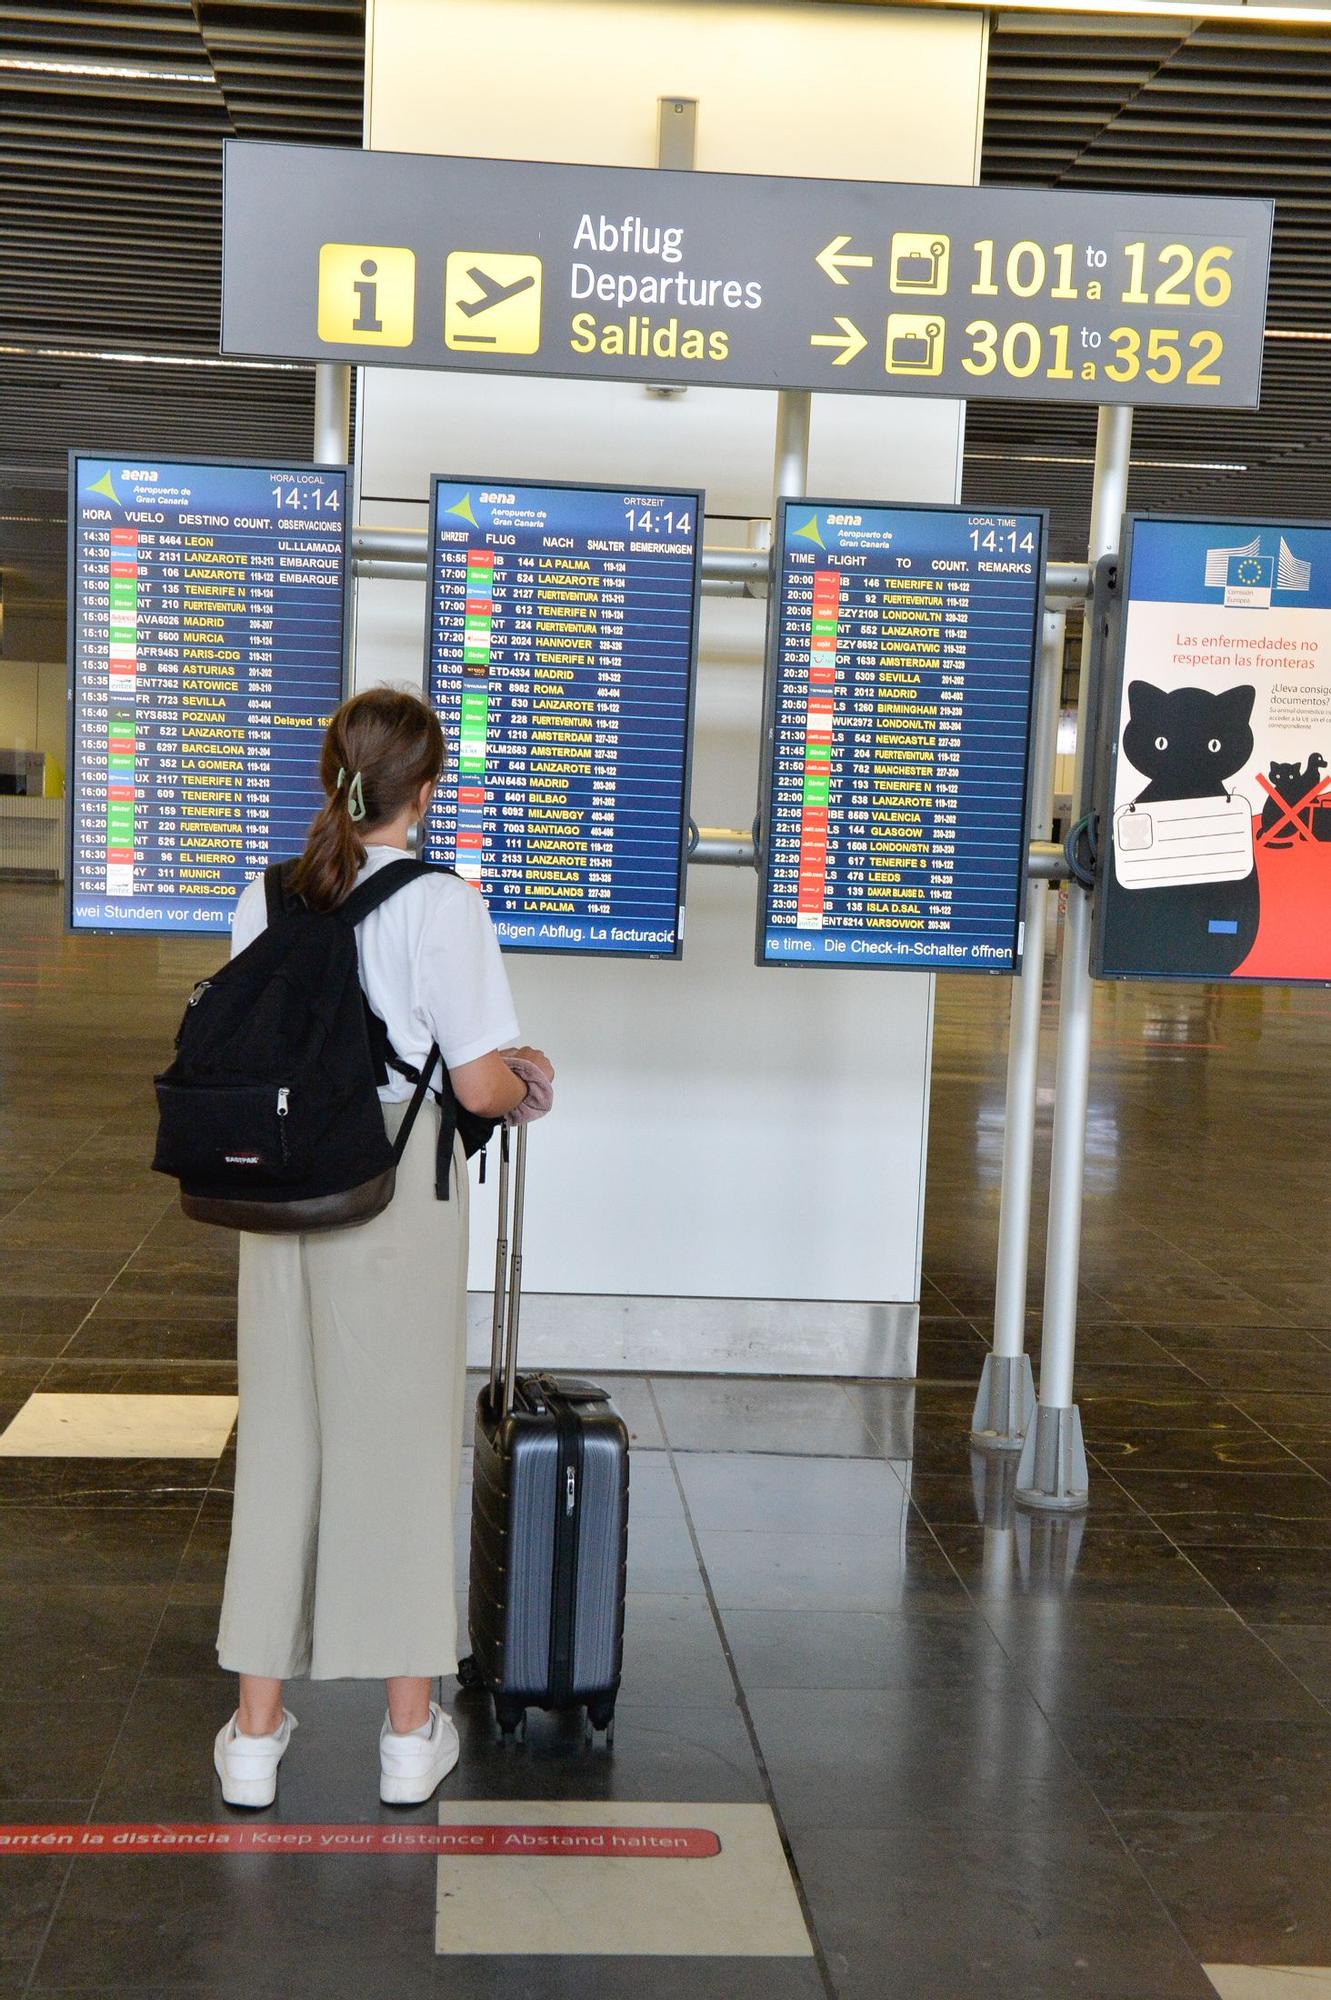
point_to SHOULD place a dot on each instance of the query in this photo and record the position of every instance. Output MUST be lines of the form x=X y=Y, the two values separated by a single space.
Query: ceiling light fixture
x=153 y=360
x=117 y=72
x=1138 y=464
x=1165 y=10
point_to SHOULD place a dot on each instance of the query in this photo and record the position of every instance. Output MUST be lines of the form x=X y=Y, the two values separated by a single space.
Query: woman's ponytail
x=379 y=749
x=334 y=856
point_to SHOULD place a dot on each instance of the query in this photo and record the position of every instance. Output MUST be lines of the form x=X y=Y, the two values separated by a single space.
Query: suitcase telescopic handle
x=501 y=1273
x=508 y=1274
x=515 y=1270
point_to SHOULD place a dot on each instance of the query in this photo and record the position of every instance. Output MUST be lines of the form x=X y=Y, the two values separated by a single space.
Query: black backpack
x=270 y=1116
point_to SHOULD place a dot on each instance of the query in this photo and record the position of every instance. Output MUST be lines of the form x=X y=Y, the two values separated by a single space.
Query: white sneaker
x=411 y=1767
x=247 y=1765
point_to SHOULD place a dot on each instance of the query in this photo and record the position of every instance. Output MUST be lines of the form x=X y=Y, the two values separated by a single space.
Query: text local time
x=745 y=279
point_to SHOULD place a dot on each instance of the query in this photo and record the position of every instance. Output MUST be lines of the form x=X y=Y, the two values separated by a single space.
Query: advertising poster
x=1217 y=863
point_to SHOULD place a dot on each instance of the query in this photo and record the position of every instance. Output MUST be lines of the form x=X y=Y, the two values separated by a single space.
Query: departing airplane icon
x=492 y=300
x=495 y=293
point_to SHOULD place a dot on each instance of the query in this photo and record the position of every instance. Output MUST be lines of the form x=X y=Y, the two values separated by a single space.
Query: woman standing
x=352 y=1342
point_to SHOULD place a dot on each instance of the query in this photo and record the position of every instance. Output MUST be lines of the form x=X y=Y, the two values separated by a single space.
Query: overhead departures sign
x=561 y=648
x=901 y=656
x=207 y=640
x=751 y=280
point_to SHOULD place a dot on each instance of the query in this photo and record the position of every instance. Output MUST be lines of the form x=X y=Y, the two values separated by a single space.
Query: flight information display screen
x=901 y=658
x=207 y=617
x=561 y=648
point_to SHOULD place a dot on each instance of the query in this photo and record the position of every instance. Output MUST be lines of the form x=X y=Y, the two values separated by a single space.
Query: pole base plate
x=1005 y=1403
x=1053 y=1473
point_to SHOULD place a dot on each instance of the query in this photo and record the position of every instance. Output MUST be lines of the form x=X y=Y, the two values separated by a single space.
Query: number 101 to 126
x=1186 y=277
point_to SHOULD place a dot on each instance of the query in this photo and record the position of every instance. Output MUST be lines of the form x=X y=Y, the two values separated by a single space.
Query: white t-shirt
x=429 y=964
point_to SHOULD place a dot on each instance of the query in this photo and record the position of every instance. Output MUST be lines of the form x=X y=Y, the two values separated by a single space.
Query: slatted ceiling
x=149 y=31
x=83 y=157
x=1180 y=107
x=111 y=217
x=233 y=413
x=288 y=72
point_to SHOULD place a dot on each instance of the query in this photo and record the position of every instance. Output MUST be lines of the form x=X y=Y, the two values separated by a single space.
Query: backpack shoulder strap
x=277 y=895
x=385 y=882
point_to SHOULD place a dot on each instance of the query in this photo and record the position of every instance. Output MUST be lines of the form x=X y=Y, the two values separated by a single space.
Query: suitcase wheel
x=601 y=1715
x=511 y=1716
x=469 y=1674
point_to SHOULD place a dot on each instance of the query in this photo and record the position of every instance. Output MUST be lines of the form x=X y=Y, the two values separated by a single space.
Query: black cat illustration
x=1188 y=742
x=1293 y=783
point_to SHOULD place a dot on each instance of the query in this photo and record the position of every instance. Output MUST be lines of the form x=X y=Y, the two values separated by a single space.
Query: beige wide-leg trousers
x=352 y=1364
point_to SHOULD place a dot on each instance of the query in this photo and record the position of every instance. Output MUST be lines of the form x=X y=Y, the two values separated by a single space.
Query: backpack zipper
x=200 y=988
x=283 y=1107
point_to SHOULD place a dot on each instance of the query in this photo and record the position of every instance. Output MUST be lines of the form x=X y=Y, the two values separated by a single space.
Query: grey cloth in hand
x=540 y=1091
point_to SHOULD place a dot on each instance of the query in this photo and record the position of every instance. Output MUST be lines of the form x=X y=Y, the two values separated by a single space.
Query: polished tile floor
x=1008 y=1757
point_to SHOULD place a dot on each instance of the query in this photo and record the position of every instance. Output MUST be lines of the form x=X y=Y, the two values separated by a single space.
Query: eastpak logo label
x=242 y=1159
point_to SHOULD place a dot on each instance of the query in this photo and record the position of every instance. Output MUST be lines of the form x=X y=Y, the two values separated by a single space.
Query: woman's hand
x=536 y=1056
x=488 y=1086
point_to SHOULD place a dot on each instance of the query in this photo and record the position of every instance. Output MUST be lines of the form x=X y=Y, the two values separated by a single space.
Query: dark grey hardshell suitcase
x=549 y=1525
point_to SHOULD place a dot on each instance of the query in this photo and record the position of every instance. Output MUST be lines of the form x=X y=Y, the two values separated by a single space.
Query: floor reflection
x=1012 y=1753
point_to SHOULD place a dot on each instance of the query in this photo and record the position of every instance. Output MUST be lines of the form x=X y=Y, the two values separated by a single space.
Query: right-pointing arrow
x=850 y=340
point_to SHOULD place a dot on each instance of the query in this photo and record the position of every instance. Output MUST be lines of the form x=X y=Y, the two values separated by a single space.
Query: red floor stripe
x=586 y=1843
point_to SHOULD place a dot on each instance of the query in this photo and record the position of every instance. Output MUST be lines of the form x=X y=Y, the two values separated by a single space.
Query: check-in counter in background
x=32 y=838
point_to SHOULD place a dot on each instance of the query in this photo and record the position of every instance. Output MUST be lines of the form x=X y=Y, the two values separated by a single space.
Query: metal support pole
x=676 y=131
x=1046 y=862
x=390 y=572
x=731 y=847
x=332 y=415
x=722 y=847
x=1007 y=1391
x=725 y=571
x=1053 y=1471
x=790 y=478
x=790 y=473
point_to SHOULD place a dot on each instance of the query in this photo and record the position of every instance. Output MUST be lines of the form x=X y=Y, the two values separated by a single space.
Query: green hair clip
x=355 y=793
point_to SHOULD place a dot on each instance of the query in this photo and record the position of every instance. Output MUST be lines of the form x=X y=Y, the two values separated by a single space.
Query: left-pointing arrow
x=850 y=340
x=832 y=257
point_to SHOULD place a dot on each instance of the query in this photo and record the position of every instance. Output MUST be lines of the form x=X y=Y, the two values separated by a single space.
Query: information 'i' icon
x=367 y=295
x=366 y=289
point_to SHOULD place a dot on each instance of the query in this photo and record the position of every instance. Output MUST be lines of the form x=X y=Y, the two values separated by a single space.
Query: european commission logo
x=1247 y=577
